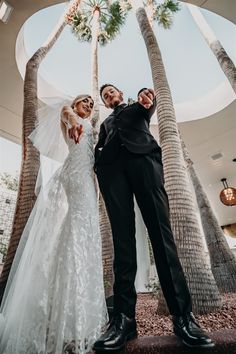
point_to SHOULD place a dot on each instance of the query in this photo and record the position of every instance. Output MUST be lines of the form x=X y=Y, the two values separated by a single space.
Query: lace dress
x=55 y=303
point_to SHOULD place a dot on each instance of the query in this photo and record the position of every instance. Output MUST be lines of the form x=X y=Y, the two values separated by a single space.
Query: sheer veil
x=51 y=200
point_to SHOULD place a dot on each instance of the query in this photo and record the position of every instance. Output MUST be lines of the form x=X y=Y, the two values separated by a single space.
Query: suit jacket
x=128 y=126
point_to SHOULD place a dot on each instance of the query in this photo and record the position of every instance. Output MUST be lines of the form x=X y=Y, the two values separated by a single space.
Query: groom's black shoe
x=120 y=330
x=189 y=331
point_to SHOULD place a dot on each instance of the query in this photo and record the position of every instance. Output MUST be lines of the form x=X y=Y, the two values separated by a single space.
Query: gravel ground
x=151 y=324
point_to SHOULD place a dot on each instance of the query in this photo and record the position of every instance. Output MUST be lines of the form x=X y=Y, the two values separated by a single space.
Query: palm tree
x=30 y=156
x=223 y=261
x=184 y=221
x=224 y=60
x=99 y=22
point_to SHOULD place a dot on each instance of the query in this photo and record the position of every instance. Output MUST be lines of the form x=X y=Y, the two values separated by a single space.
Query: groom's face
x=111 y=97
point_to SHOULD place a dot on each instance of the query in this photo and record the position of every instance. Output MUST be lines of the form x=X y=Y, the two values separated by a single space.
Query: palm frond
x=112 y=17
x=103 y=38
x=115 y=21
x=125 y=6
x=163 y=17
x=80 y=27
x=163 y=13
x=173 y=6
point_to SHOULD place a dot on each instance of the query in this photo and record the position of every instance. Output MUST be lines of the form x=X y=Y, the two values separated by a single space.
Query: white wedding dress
x=55 y=295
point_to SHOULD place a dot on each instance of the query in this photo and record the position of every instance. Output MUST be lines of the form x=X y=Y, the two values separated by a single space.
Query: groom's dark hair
x=104 y=86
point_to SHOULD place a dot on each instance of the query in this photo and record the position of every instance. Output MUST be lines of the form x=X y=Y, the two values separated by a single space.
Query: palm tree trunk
x=105 y=227
x=224 y=60
x=30 y=155
x=107 y=247
x=94 y=62
x=223 y=262
x=205 y=294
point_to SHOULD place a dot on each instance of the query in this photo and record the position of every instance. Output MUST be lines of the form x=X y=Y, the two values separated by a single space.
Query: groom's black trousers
x=141 y=175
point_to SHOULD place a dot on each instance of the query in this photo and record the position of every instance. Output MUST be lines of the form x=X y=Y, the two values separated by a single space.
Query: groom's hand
x=146 y=97
x=75 y=132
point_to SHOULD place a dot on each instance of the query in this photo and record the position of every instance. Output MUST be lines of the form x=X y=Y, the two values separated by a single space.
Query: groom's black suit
x=128 y=163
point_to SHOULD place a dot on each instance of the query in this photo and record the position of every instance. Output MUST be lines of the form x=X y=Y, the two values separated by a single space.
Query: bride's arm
x=68 y=116
x=69 y=121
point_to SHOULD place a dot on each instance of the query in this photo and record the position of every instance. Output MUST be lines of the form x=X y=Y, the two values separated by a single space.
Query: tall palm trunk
x=224 y=60
x=107 y=247
x=105 y=228
x=30 y=156
x=223 y=261
x=94 y=63
x=205 y=294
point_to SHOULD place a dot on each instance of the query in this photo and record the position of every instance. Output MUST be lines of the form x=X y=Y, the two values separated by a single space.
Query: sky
x=191 y=68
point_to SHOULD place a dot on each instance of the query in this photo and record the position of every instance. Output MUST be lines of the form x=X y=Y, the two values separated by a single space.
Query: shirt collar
x=119 y=107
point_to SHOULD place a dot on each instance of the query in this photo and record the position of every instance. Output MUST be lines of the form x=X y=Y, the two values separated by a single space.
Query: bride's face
x=84 y=108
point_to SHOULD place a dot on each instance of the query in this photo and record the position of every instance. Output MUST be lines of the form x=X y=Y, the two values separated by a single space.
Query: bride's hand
x=75 y=132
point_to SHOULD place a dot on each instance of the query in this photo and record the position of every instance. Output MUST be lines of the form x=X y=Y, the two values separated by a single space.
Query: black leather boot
x=120 y=330
x=189 y=331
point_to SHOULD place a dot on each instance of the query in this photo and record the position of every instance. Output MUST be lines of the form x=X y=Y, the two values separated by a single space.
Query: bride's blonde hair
x=79 y=98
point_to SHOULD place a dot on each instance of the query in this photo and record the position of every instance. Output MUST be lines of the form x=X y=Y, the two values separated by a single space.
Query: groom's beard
x=117 y=102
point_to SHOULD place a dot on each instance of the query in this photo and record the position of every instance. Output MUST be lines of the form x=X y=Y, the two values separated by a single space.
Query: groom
x=128 y=162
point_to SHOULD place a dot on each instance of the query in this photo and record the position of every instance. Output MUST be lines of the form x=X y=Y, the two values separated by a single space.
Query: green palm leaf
x=112 y=17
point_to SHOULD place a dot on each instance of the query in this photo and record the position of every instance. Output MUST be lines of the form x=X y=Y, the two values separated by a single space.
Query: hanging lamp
x=228 y=194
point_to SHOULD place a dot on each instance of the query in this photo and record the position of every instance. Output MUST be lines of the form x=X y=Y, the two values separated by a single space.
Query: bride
x=54 y=301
